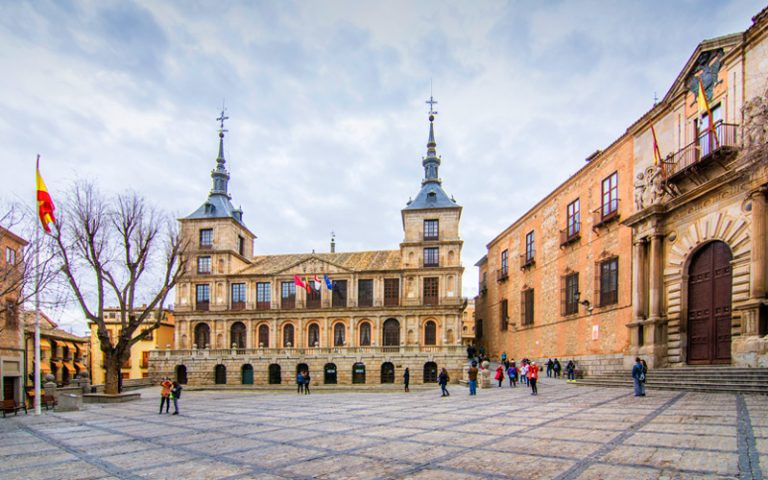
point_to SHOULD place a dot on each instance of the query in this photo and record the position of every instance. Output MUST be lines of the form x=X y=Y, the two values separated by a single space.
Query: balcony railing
x=312 y=351
x=263 y=305
x=707 y=145
x=606 y=213
x=202 y=306
x=570 y=234
x=483 y=287
x=238 y=306
x=502 y=275
x=527 y=260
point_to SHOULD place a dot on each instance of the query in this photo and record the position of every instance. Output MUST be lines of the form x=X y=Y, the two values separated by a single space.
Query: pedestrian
x=512 y=374
x=175 y=396
x=570 y=370
x=500 y=374
x=472 y=374
x=504 y=359
x=550 y=367
x=557 y=367
x=524 y=373
x=533 y=376
x=443 y=379
x=639 y=378
x=307 y=379
x=165 y=395
x=406 y=378
x=299 y=382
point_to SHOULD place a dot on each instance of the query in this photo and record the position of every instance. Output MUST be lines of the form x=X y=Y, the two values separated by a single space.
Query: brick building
x=12 y=270
x=662 y=256
x=241 y=319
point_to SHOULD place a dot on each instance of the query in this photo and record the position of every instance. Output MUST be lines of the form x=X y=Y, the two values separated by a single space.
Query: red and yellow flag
x=45 y=206
x=701 y=99
x=656 y=151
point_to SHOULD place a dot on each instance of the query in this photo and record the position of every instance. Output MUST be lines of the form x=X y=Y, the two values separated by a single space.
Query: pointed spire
x=220 y=175
x=431 y=162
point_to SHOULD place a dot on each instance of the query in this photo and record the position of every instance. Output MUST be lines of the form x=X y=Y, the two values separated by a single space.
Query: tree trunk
x=112 y=363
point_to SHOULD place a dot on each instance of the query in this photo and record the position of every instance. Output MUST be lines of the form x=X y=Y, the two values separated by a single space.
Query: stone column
x=249 y=334
x=656 y=278
x=273 y=333
x=352 y=341
x=757 y=265
x=639 y=294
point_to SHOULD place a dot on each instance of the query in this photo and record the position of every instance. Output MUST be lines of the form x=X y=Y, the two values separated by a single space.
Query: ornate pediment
x=313 y=265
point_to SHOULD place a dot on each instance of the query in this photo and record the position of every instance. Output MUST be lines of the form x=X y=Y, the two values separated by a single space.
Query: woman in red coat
x=500 y=374
x=533 y=376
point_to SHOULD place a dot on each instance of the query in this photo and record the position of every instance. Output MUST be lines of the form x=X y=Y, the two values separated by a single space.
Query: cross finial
x=431 y=102
x=222 y=118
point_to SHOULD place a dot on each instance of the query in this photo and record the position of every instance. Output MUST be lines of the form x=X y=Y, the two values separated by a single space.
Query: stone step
x=691 y=387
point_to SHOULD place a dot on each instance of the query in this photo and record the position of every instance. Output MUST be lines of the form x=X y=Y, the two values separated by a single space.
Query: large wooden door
x=709 y=305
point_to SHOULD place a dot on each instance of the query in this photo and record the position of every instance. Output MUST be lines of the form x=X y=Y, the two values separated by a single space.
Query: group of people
x=554 y=368
x=302 y=382
x=528 y=373
x=169 y=391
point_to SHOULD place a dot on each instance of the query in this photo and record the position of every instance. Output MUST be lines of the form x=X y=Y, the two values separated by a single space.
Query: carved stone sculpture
x=756 y=121
x=639 y=190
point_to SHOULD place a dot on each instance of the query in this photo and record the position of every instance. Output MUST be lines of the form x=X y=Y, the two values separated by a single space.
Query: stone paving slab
x=565 y=433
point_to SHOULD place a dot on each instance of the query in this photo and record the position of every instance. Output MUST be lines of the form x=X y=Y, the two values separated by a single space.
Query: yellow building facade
x=62 y=354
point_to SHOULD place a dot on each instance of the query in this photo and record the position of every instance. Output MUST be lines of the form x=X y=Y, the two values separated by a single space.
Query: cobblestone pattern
x=566 y=432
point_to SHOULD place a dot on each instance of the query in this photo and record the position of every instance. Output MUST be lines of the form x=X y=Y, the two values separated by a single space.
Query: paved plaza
x=567 y=432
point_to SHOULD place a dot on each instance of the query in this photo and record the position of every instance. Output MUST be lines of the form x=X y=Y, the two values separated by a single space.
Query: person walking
x=165 y=395
x=307 y=379
x=512 y=374
x=175 y=396
x=550 y=367
x=570 y=370
x=442 y=380
x=639 y=377
x=406 y=378
x=472 y=374
x=524 y=373
x=299 y=382
x=533 y=376
x=557 y=367
x=500 y=374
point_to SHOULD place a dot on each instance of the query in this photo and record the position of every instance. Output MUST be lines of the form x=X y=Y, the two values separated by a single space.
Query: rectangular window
x=504 y=314
x=479 y=328
x=206 y=237
x=339 y=293
x=144 y=360
x=203 y=264
x=263 y=295
x=150 y=335
x=432 y=257
x=530 y=251
x=526 y=307
x=11 y=317
x=365 y=293
x=241 y=246
x=314 y=297
x=391 y=292
x=574 y=218
x=505 y=263
x=571 y=301
x=610 y=196
x=288 y=295
x=238 y=296
x=431 y=229
x=609 y=281
x=10 y=256
x=431 y=292
x=202 y=296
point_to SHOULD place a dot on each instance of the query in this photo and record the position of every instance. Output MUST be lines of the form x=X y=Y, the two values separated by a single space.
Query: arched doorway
x=430 y=333
x=246 y=374
x=430 y=372
x=709 y=305
x=237 y=335
x=387 y=372
x=202 y=335
x=220 y=374
x=181 y=374
x=274 y=374
x=358 y=373
x=391 y=337
x=263 y=336
x=302 y=367
x=329 y=374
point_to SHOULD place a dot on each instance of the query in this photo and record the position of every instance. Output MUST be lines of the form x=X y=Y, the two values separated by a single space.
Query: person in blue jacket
x=638 y=375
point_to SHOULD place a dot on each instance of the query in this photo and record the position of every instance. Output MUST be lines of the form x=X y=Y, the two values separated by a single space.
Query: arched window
x=288 y=336
x=237 y=335
x=391 y=333
x=181 y=374
x=246 y=374
x=338 y=335
x=387 y=372
x=430 y=372
x=430 y=333
x=365 y=334
x=274 y=374
x=220 y=374
x=202 y=335
x=264 y=336
x=313 y=335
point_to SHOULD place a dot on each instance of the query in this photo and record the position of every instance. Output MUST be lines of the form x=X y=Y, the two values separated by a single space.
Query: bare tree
x=118 y=250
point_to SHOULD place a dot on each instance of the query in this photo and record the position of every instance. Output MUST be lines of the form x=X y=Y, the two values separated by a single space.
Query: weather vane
x=222 y=118
x=431 y=102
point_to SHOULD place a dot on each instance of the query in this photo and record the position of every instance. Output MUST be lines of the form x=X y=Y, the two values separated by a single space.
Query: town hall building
x=245 y=319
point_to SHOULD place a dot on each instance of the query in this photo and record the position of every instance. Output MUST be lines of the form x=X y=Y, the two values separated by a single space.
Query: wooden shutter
x=596 y=298
x=522 y=307
x=563 y=296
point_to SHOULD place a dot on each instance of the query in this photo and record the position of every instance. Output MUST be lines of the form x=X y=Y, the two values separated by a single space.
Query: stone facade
x=11 y=325
x=62 y=354
x=690 y=191
x=240 y=315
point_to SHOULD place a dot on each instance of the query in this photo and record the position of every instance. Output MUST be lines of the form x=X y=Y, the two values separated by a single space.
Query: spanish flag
x=701 y=100
x=45 y=206
x=656 y=151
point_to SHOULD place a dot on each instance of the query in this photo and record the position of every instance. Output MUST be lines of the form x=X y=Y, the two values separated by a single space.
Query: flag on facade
x=656 y=152
x=317 y=284
x=701 y=100
x=328 y=282
x=45 y=206
x=297 y=281
x=307 y=285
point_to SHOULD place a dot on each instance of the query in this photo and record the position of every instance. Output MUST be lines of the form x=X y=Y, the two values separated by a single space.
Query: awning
x=69 y=367
x=81 y=367
x=56 y=363
x=45 y=368
x=45 y=344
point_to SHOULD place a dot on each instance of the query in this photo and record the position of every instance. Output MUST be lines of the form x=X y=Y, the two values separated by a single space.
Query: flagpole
x=38 y=410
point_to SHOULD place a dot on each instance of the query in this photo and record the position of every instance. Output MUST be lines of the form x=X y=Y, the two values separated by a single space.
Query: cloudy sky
x=326 y=103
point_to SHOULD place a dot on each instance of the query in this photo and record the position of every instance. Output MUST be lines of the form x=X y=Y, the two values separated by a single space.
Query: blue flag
x=328 y=282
